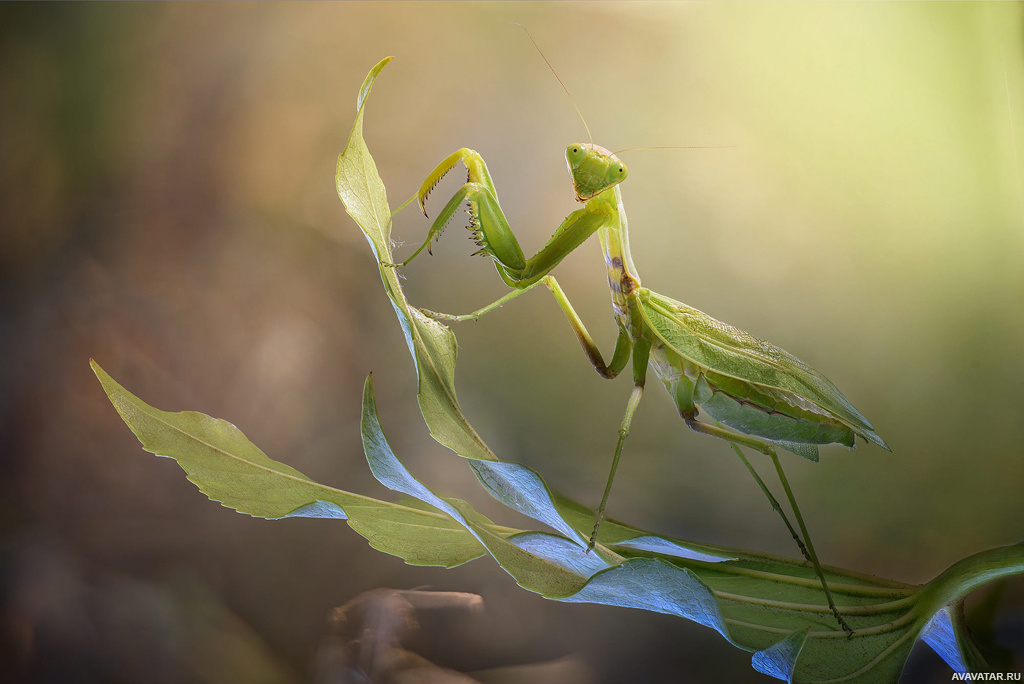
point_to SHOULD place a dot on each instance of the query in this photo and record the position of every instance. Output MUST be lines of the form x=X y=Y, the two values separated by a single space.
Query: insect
x=725 y=383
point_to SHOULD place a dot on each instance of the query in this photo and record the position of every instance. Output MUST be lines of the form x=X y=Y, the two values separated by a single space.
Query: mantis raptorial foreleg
x=491 y=229
x=495 y=236
x=488 y=223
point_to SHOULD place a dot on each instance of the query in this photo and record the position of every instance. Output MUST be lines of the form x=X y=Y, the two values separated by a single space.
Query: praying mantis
x=755 y=394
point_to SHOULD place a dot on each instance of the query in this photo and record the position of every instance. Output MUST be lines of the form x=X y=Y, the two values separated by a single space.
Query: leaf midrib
x=148 y=411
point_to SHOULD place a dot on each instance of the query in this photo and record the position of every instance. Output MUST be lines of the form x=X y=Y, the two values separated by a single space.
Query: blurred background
x=168 y=208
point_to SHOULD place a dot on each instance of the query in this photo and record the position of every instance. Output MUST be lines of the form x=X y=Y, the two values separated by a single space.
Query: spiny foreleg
x=486 y=219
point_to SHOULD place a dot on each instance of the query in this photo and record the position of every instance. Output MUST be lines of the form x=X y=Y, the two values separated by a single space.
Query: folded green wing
x=724 y=349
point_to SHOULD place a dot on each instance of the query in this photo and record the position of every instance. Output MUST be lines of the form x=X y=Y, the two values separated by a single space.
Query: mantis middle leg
x=641 y=354
x=623 y=343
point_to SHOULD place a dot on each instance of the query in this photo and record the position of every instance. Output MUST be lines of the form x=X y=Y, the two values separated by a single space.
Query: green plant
x=772 y=606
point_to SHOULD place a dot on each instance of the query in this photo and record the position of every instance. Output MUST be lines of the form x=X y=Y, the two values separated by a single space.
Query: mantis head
x=594 y=169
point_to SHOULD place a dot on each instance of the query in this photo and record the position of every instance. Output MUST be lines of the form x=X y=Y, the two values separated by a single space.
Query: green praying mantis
x=755 y=394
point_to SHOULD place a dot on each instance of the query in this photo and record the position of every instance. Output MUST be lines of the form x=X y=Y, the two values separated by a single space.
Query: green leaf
x=359 y=185
x=423 y=537
x=432 y=345
x=535 y=572
x=228 y=468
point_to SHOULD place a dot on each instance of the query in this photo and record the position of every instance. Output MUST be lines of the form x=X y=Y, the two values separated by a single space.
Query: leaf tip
x=779 y=660
x=108 y=382
x=364 y=90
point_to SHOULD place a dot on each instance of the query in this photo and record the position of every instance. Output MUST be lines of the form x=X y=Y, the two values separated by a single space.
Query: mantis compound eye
x=575 y=154
x=616 y=173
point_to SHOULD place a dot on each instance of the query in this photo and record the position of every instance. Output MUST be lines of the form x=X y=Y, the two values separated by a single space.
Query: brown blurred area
x=168 y=209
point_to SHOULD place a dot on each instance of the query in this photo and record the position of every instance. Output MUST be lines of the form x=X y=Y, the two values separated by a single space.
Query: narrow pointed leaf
x=534 y=572
x=432 y=345
x=668 y=547
x=522 y=489
x=657 y=586
x=561 y=551
x=230 y=469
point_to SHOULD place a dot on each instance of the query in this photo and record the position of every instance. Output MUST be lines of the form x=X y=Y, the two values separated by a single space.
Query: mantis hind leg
x=806 y=545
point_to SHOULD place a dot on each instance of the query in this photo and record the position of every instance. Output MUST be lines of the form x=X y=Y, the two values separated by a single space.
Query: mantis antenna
x=583 y=119
x=530 y=36
x=675 y=147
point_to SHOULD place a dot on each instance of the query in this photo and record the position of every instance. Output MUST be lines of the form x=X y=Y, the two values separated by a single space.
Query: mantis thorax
x=594 y=169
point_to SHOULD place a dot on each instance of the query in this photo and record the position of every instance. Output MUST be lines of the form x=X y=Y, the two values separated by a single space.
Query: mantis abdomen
x=775 y=415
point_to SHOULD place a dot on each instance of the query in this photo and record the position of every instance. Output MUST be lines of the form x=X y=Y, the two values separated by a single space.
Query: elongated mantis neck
x=614 y=236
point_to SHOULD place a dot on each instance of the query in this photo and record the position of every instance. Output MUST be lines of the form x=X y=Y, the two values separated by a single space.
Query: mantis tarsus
x=756 y=394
